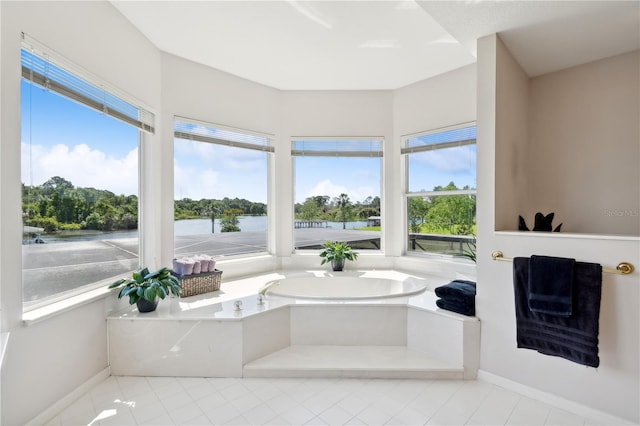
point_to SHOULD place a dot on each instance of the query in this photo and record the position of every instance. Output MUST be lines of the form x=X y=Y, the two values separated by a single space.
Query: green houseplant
x=337 y=252
x=144 y=288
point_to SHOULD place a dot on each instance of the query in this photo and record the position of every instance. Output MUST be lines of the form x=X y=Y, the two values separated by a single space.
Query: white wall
x=194 y=91
x=584 y=152
x=198 y=92
x=511 y=159
x=612 y=388
x=444 y=100
x=46 y=361
x=441 y=101
x=336 y=113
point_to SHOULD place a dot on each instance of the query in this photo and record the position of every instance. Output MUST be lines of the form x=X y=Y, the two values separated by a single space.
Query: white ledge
x=52 y=309
x=568 y=235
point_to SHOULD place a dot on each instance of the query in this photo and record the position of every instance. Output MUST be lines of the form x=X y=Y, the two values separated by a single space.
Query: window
x=80 y=143
x=440 y=190
x=220 y=190
x=337 y=192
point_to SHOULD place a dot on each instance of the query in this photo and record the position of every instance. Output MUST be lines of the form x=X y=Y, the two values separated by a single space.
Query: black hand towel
x=550 y=285
x=575 y=337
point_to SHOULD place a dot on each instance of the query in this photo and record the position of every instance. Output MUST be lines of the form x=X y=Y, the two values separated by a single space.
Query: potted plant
x=337 y=252
x=144 y=288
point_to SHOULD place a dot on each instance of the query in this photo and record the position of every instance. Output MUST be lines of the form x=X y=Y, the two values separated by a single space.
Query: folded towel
x=185 y=266
x=572 y=337
x=463 y=308
x=204 y=263
x=208 y=264
x=457 y=296
x=457 y=290
x=551 y=285
x=197 y=266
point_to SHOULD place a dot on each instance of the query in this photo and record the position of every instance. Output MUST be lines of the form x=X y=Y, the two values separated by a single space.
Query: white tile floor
x=206 y=401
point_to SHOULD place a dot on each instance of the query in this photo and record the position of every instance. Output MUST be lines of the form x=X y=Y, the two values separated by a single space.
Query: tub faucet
x=263 y=291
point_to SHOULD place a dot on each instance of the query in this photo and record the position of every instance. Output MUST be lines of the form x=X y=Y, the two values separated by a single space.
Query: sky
x=89 y=149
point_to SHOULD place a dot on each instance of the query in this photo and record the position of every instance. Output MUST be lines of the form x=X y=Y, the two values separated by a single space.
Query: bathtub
x=345 y=287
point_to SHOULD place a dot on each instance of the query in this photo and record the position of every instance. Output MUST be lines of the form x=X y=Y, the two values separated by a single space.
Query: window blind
x=440 y=139
x=211 y=133
x=45 y=70
x=337 y=147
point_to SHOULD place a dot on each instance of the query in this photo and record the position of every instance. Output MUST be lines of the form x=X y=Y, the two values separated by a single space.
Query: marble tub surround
x=207 y=336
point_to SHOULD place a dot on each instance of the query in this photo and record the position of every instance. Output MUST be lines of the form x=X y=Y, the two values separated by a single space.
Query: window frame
x=337 y=153
x=144 y=123
x=268 y=149
x=407 y=194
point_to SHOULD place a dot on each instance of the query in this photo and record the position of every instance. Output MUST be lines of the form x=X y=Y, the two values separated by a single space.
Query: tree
x=454 y=212
x=213 y=209
x=322 y=201
x=310 y=209
x=417 y=210
x=230 y=220
x=345 y=211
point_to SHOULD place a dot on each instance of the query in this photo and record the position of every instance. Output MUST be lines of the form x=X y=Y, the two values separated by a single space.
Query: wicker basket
x=200 y=283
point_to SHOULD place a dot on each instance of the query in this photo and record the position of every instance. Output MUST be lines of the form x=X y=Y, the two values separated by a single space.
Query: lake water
x=182 y=227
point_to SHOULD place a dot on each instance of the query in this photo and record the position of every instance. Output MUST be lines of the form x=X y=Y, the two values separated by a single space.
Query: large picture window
x=220 y=190
x=337 y=192
x=441 y=191
x=79 y=169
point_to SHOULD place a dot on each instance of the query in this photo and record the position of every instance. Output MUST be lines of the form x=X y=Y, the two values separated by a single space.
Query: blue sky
x=62 y=138
x=359 y=178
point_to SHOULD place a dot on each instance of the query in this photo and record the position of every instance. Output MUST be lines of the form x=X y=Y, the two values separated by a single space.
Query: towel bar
x=623 y=268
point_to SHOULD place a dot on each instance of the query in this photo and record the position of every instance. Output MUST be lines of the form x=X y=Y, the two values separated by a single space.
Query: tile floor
x=206 y=401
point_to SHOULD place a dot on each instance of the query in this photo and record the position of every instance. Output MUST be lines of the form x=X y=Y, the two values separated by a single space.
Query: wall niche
x=568 y=142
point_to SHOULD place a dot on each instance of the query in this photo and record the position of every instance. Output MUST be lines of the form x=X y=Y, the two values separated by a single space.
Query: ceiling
x=384 y=44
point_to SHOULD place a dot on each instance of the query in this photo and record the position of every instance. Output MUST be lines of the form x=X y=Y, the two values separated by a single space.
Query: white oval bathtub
x=344 y=288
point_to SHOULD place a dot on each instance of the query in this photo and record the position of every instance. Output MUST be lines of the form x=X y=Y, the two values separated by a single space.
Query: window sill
x=45 y=312
x=568 y=235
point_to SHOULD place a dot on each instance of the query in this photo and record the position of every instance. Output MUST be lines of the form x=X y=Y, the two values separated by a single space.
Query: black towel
x=457 y=289
x=458 y=296
x=574 y=337
x=464 y=308
x=550 y=285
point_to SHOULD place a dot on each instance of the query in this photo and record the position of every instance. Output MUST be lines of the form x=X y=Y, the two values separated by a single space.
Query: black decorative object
x=145 y=305
x=542 y=223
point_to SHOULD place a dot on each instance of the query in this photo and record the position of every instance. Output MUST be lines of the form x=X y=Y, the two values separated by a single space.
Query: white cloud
x=82 y=166
x=458 y=159
x=194 y=184
x=326 y=187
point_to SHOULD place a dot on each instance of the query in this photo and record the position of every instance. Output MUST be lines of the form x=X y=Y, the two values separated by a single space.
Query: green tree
x=417 y=210
x=345 y=211
x=453 y=213
x=310 y=209
x=230 y=220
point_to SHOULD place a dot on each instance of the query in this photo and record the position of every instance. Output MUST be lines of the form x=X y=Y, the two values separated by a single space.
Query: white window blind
x=366 y=147
x=441 y=138
x=212 y=133
x=45 y=69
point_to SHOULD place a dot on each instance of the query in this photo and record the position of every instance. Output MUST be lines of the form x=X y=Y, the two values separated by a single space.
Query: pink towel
x=204 y=262
x=197 y=266
x=185 y=266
